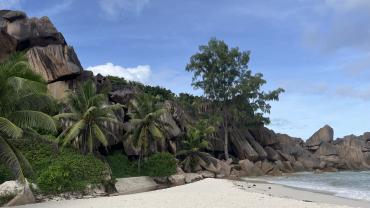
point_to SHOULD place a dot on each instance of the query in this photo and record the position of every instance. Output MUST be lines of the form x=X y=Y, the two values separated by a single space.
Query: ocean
x=347 y=184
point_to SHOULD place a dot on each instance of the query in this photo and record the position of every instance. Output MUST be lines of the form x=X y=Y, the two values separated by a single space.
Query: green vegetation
x=89 y=113
x=22 y=99
x=71 y=172
x=194 y=147
x=57 y=172
x=234 y=93
x=146 y=124
x=6 y=198
x=5 y=174
x=160 y=164
x=121 y=166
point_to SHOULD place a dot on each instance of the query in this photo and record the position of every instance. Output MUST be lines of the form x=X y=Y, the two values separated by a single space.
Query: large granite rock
x=243 y=148
x=45 y=47
x=325 y=134
x=265 y=136
x=54 y=62
x=353 y=152
x=135 y=185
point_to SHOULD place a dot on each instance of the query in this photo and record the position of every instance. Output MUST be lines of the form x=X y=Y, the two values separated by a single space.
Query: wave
x=354 y=185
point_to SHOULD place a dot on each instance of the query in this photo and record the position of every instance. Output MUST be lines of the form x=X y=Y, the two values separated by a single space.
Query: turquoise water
x=355 y=185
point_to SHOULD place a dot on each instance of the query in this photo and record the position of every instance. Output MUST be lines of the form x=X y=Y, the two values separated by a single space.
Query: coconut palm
x=194 y=147
x=87 y=117
x=146 y=124
x=23 y=103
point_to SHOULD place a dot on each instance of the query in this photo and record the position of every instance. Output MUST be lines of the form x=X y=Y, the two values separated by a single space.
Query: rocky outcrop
x=325 y=134
x=45 y=47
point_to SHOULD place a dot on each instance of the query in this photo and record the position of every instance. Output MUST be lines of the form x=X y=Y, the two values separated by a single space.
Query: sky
x=317 y=50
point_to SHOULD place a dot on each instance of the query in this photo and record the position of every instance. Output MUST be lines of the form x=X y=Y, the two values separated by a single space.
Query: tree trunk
x=139 y=163
x=226 y=142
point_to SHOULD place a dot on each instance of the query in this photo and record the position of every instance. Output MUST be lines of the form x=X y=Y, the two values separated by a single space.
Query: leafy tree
x=233 y=91
x=194 y=147
x=23 y=103
x=89 y=113
x=146 y=124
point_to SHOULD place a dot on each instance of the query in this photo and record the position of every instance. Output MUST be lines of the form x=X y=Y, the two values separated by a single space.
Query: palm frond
x=10 y=129
x=99 y=134
x=33 y=119
x=10 y=159
x=74 y=132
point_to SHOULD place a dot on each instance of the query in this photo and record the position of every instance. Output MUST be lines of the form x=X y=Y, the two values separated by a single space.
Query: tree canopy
x=234 y=92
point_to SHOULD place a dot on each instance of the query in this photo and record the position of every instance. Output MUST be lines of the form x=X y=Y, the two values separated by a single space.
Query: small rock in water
x=269 y=188
x=254 y=184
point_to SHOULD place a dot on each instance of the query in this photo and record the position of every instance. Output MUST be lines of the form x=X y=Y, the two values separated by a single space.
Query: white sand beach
x=212 y=193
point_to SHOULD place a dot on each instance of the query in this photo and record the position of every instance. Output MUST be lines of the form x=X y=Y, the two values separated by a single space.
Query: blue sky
x=317 y=50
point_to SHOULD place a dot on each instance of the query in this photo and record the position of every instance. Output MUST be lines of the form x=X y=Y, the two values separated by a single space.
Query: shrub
x=71 y=172
x=6 y=198
x=39 y=154
x=5 y=174
x=160 y=164
x=56 y=172
x=121 y=166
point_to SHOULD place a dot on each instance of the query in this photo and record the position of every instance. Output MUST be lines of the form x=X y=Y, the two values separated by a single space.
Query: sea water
x=347 y=184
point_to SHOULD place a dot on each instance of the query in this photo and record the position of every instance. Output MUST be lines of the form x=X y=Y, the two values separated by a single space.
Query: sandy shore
x=259 y=185
x=213 y=193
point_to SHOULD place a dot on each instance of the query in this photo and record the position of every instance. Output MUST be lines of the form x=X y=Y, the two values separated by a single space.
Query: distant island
x=65 y=132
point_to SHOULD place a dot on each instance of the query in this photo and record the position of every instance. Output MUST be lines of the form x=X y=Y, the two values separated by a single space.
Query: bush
x=56 y=172
x=71 y=172
x=160 y=164
x=6 y=198
x=121 y=166
x=5 y=174
x=39 y=154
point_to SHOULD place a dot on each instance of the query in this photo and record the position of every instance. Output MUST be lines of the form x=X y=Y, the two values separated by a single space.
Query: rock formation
x=45 y=47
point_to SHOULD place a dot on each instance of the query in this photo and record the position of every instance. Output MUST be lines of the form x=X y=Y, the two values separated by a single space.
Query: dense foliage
x=160 y=164
x=121 y=166
x=5 y=174
x=146 y=125
x=194 y=146
x=23 y=107
x=56 y=172
x=71 y=172
x=89 y=113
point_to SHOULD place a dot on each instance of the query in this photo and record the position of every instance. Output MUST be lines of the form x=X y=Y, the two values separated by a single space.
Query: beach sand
x=211 y=193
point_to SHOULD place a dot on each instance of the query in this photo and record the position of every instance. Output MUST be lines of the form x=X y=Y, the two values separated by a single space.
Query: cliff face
x=46 y=49
x=259 y=150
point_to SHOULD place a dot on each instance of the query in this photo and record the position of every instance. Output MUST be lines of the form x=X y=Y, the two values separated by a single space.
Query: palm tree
x=194 y=147
x=23 y=103
x=146 y=124
x=87 y=118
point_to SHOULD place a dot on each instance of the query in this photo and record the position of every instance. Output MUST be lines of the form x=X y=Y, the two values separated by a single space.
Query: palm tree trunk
x=226 y=142
x=139 y=163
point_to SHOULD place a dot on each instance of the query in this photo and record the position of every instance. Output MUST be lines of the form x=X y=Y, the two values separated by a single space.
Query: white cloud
x=115 y=8
x=10 y=4
x=140 y=73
